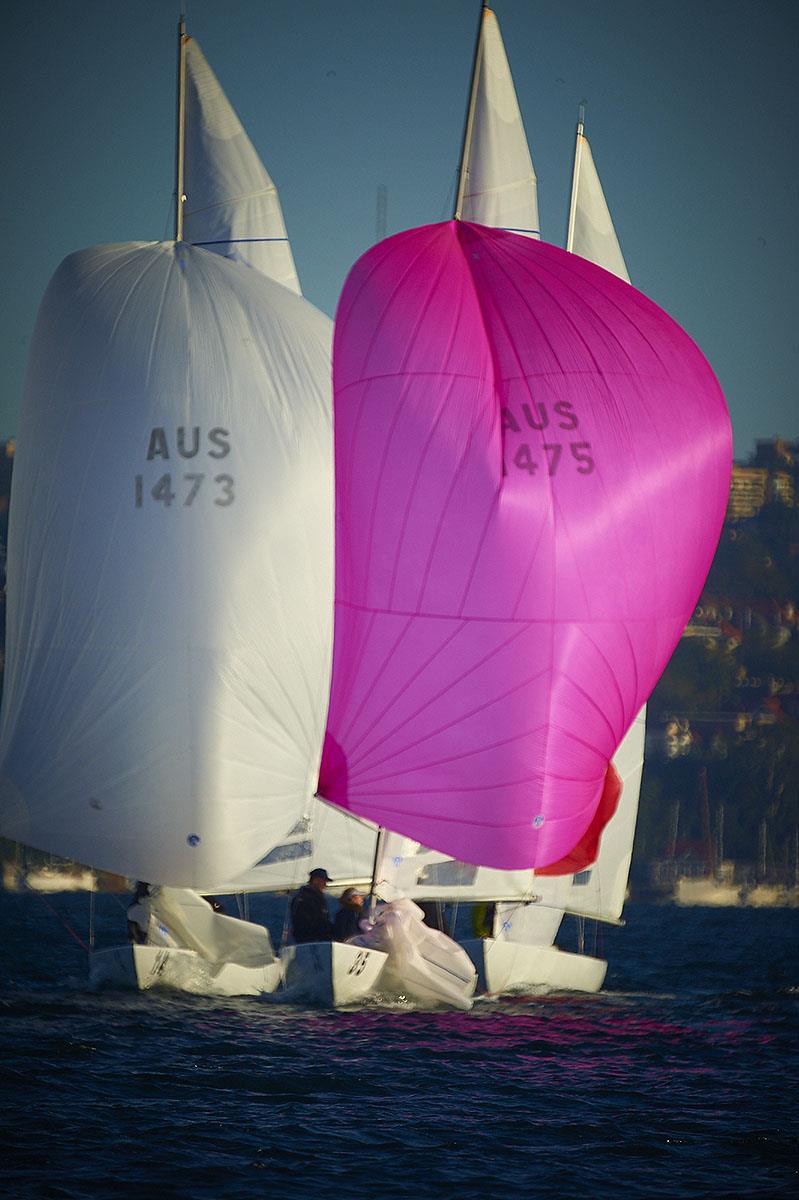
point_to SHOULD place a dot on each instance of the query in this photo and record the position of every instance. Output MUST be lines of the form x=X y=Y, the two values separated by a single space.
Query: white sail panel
x=323 y=836
x=232 y=205
x=530 y=924
x=169 y=567
x=191 y=923
x=591 y=232
x=501 y=188
x=600 y=891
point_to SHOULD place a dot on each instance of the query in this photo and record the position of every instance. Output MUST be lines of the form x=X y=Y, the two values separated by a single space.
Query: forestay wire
x=58 y=917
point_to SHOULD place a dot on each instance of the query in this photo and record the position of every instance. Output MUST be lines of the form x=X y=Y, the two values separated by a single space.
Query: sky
x=691 y=113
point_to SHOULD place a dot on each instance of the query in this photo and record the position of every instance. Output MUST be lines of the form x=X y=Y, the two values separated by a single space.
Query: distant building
x=771 y=475
x=781 y=487
x=748 y=491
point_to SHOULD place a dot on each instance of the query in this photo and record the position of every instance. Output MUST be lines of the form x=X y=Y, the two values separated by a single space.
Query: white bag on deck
x=422 y=962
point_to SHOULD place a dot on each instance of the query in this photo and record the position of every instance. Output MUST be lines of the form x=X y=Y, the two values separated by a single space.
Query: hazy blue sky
x=691 y=116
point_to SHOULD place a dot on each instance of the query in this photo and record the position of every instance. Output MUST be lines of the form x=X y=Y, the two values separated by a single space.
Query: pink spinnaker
x=532 y=465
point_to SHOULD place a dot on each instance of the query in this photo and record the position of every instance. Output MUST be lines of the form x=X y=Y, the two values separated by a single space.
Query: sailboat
x=497 y=188
x=170 y=560
x=514 y=425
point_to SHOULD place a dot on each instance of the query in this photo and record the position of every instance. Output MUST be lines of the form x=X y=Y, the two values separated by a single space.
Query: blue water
x=678 y=1080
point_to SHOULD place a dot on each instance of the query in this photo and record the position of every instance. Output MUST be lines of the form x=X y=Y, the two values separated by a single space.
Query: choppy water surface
x=678 y=1080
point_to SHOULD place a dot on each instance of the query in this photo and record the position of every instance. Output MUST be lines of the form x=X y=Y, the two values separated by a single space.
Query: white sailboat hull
x=329 y=974
x=504 y=966
x=144 y=967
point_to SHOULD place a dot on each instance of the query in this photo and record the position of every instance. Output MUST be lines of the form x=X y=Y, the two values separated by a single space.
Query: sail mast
x=466 y=149
x=180 y=138
x=379 y=841
x=578 y=146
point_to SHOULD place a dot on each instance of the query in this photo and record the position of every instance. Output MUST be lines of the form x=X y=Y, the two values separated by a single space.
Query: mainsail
x=231 y=205
x=514 y=430
x=599 y=891
x=591 y=233
x=497 y=176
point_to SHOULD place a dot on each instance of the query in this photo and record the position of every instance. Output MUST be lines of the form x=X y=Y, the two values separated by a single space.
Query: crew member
x=346 y=922
x=310 y=920
x=139 y=915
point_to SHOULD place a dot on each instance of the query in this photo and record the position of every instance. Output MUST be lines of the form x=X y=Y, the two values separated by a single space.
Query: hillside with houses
x=722 y=773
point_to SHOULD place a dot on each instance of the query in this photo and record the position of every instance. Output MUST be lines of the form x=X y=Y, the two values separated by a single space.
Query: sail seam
x=450 y=686
x=525 y=683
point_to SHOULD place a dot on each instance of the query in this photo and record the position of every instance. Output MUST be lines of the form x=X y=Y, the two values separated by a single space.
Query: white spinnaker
x=170 y=566
x=501 y=183
x=232 y=206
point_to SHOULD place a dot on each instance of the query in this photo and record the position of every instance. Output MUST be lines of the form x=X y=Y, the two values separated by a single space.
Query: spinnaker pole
x=578 y=149
x=466 y=149
x=180 y=138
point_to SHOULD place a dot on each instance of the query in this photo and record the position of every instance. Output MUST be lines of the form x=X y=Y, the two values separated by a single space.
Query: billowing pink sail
x=532 y=468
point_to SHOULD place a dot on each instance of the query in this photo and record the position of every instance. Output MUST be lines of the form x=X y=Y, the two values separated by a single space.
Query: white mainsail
x=231 y=206
x=591 y=233
x=499 y=182
x=600 y=891
x=170 y=566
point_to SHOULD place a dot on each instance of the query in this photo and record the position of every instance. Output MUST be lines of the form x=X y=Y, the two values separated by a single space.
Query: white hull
x=504 y=966
x=145 y=967
x=329 y=974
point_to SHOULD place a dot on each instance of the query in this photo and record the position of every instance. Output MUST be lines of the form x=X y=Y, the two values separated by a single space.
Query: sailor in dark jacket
x=310 y=920
x=346 y=922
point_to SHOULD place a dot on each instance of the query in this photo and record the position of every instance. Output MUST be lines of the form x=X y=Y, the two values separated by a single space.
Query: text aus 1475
x=549 y=453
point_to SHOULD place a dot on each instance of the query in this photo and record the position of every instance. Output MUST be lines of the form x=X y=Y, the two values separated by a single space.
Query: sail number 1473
x=184 y=488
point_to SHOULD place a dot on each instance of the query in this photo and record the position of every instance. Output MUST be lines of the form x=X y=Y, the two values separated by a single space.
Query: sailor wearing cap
x=310 y=920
